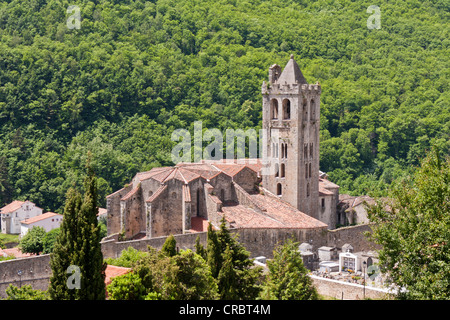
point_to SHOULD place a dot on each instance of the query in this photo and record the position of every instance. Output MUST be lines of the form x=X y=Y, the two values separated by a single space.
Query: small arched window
x=150 y=193
x=286 y=109
x=309 y=170
x=274 y=109
x=282 y=171
x=312 y=112
x=277 y=169
x=305 y=110
x=306 y=170
x=279 y=189
x=307 y=190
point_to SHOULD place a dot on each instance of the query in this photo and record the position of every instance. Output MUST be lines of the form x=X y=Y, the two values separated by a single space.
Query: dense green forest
x=137 y=70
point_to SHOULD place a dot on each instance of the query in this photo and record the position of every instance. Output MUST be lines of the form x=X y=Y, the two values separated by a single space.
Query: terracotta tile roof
x=188 y=175
x=215 y=199
x=204 y=170
x=231 y=169
x=276 y=214
x=14 y=252
x=199 y=224
x=131 y=193
x=327 y=183
x=114 y=271
x=186 y=193
x=114 y=193
x=13 y=206
x=157 y=193
x=41 y=217
x=159 y=174
x=324 y=191
x=182 y=174
x=148 y=174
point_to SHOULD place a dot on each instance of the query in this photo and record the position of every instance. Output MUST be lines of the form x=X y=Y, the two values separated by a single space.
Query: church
x=186 y=197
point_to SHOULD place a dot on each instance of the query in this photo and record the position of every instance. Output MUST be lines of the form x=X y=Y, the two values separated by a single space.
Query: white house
x=12 y=214
x=48 y=221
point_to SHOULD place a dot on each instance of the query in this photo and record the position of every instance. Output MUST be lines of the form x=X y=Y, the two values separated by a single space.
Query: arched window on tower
x=277 y=169
x=305 y=151
x=312 y=113
x=282 y=170
x=307 y=190
x=311 y=150
x=286 y=109
x=279 y=189
x=305 y=110
x=274 y=109
x=306 y=170
x=285 y=151
x=309 y=170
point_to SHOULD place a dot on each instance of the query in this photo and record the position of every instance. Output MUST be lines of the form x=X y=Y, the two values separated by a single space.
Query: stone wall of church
x=166 y=211
x=113 y=209
x=247 y=179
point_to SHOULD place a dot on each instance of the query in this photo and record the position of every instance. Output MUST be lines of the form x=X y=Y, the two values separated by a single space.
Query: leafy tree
x=288 y=278
x=199 y=249
x=414 y=232
x=26 y=292
x=126 y=287
x=6 y=190
x=128 y=258
x=184 y=276
x=195 y=279
x=169 y=247
x=33 y=241
x=49 y=240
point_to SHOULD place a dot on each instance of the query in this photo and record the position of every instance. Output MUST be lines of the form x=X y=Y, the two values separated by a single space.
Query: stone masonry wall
x=347 y=291
x=34 y=271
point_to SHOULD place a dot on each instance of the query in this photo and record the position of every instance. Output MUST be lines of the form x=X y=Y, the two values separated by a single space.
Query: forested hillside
x=137 y=70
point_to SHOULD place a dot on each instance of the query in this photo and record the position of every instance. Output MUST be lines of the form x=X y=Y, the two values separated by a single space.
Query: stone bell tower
x=291 y=112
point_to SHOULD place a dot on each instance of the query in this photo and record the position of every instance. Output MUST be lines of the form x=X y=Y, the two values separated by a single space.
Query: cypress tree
x=231 y=265
x=62 y=255
x=78 y=244
x=88 y=255
x=213 y=252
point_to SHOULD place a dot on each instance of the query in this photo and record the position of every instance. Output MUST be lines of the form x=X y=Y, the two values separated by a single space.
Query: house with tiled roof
x=48 y=221
x=12 y=214
x=284 y=189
